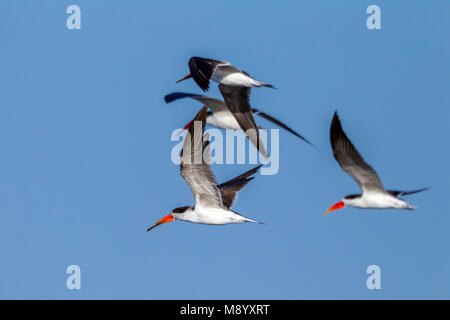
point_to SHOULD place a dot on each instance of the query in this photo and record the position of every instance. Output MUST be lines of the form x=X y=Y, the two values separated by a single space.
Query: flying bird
x=221 y=117
x=203 y=70
x=212 y=201
x=373 y=193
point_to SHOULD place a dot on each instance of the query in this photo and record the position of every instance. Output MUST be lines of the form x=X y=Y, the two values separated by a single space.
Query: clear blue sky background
x=85 y=149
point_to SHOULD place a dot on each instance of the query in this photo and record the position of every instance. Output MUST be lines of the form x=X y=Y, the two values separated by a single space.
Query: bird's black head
x=352 y=196
x=180 y=209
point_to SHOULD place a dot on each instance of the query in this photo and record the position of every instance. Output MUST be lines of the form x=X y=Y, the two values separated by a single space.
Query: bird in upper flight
x=212 y=201
x=203 y=70
x=373 y=193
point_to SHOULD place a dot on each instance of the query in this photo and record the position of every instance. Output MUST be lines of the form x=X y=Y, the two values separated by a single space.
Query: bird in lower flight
x=221 y=117
x=212 y=201
x=203 y=70
x=373 y=193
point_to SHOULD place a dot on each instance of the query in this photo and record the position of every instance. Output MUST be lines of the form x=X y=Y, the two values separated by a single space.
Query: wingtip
x=314 y=146
x=307 y=141
x=252 y=171
x=336 y=115
x=201 y=117
x=335 y=122
x=423 y=189
x=202 y=114
x=270 y=86
x=203 y=86
x=167 y=98
x=171 y=97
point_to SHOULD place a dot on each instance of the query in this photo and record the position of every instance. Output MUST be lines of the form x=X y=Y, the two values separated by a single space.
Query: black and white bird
x=203 y=70
x=212 y=201
x=373 y=193
x=220 y=116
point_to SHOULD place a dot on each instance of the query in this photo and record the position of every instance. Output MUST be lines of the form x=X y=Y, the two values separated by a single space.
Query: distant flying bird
x=373 y=194
x=203 y=70
x=212 y=201
x=221 y=117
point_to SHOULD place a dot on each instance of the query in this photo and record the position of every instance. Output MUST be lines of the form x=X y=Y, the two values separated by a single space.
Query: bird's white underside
x=234 y=78
x=377 y=200
x=223 y=119
x=211 y=215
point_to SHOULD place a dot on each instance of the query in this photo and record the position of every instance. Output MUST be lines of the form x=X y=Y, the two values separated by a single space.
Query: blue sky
x=85 y=150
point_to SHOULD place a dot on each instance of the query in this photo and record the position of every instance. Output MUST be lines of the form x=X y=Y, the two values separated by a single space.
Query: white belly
x=233 y=79
x=223 y=120
x=380 y=201
x=215 y=216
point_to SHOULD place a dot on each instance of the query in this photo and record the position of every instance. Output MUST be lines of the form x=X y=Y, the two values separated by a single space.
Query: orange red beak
x=186 y=77
x=336 y=206
x=166 y=219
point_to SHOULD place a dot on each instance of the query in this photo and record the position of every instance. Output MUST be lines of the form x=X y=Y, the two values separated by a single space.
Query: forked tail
x=251 y=220
x=267 y=85
x=257 y=83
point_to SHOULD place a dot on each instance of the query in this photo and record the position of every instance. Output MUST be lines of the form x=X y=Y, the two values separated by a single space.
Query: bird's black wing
x=350 y=160
x=230 y=189
x=397 y=193
x=215 y=105
x=237 y=101
x=279 y=123
x=202 y=70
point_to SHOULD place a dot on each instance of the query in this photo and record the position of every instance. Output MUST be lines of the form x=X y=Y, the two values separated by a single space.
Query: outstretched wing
x=397 y=193
x=279 y=123
x=215 y=105
x=230 y=189
x=237 y=101
x=350 y=160
x=201 y=70
x=195 y=169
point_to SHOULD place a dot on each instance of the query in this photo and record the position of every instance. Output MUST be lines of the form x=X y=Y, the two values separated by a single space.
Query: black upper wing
x=397 y=193
x=350 y=160
x=279 y=123
x=230 y=189
x=202 y=70
x=237 y=100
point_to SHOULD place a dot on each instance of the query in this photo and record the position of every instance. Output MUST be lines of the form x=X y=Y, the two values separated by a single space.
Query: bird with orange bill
x=212 y=201
x=202 y=70
x=373 y=195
